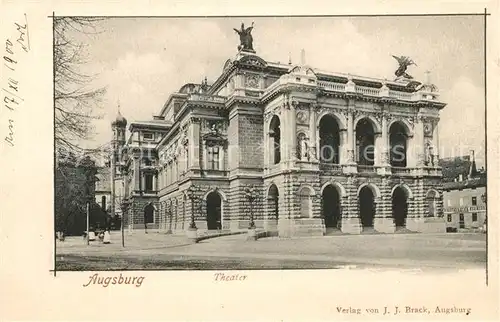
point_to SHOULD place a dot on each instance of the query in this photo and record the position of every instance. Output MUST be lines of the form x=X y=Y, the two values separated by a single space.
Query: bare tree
x=75 y=101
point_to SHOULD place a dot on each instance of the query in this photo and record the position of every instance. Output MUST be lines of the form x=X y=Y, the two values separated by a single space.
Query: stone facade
x=268 y=126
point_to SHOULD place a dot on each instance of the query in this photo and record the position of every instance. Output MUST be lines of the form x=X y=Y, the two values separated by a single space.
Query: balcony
x=330 y=167
x=401 y=170
x=366 y=168
x=337 y=87
x=207 y=98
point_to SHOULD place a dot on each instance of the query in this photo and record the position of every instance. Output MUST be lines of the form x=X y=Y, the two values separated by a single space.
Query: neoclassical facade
x=322 y=151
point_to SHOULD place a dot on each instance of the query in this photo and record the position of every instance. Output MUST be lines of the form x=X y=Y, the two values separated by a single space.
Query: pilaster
x=194 y=143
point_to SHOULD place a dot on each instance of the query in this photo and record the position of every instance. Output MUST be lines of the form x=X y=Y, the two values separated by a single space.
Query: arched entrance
x=149 y=211
x=365 y=142
x=214 y=211
x=329 y=137
x=399 y=207
x=366 y=206
x=398 y=140
x=272 y=202
x=331 y=206
x=432 y=199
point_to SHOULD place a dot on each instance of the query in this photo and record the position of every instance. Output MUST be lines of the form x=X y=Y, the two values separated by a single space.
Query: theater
x=289 y=149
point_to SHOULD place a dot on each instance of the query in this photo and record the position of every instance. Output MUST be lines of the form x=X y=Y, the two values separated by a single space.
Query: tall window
x=449 y=218
x=103 y=203
x=213 y=158
x=474 y=217
x=474 y=201
x=149 y=182
x=148 y=136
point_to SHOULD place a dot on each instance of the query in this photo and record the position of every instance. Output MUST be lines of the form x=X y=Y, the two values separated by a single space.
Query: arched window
x=275 y=140
x=329 y=135
x=398 y=140
x=365 y=142
x=432 y=199
x=305 y=195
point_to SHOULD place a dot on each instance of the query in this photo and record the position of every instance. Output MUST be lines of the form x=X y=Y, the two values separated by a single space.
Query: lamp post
x=192 y=229
x=124 y=207
x=250 y=194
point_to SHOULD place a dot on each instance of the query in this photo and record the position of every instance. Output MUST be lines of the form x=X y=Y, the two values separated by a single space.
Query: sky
x=142 y=61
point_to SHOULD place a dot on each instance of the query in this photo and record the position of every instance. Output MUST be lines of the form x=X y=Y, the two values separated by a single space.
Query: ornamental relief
x=302 y=117
x=252 y=81
x=213 y=126
x=429 y=125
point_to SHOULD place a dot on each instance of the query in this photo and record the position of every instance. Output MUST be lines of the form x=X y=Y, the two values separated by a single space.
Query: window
x=148 y=136
x=213 y=158
x=474 y=217
x=103 y=203
x=449 y=202
x=449 y=218
x=149 y=182
x=461 y=201
x=474 y=201
x=148 y=162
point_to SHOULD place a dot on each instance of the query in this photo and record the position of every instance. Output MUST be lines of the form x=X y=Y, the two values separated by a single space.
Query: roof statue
x=246 y=40
x=404 y=62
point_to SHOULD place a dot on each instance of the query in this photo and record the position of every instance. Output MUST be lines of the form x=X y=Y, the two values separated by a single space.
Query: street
x=157 y=251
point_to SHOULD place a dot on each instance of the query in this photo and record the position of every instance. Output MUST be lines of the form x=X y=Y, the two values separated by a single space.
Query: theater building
x=322 y=151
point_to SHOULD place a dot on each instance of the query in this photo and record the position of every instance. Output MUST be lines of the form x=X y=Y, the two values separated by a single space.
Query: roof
x=120 y=120
x=477 y=182
x=158 y=124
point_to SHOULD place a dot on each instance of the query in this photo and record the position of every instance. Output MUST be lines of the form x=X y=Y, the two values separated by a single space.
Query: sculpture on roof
x=404 y=62
x=246 y=40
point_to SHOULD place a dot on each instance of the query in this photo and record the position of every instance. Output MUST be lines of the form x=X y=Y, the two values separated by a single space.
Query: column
x=350 y=138
x=266 y=144
x=285 y=131
x=344 y=146
x=417 y=151
x=314 y=148
x=382 y=145
x=293 y=130
x=174 y=170
x=194 y=143
x=137 y=177
x=221 y=157
x=205 y=155
x=435 y=142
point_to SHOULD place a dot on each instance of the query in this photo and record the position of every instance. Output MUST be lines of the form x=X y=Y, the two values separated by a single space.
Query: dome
x=120 y=120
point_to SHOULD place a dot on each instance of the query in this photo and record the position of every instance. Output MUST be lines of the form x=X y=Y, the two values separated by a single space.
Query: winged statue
x=404 y=62
x=246 y=40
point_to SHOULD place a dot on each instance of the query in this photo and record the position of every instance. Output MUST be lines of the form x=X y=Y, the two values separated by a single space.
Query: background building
x=464 y=194
x=322 y=150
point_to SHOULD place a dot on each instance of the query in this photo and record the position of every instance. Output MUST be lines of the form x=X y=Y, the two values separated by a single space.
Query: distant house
x=464 y=196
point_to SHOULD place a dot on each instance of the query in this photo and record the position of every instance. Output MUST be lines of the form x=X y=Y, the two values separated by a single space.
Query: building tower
x=118 y=126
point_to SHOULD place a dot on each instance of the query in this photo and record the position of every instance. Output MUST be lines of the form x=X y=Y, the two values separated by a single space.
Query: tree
x=75 y=102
